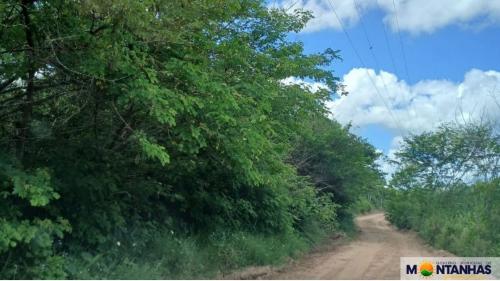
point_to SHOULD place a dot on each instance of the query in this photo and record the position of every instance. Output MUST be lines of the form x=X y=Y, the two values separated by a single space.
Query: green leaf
x=153 y=150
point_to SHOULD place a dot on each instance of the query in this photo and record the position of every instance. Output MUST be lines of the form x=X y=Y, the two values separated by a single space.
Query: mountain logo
x=426 y=269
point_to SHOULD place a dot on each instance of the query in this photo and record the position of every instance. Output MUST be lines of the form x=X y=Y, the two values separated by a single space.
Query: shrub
x=463 y=219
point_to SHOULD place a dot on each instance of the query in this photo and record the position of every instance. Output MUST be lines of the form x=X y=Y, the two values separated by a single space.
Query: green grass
x=168 y=256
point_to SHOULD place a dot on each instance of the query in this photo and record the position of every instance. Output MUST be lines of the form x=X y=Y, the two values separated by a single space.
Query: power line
x=401 y=42
x=358 y=12
x=397 y=123
x=393 y=61
x=371 y=47
x=292 y=5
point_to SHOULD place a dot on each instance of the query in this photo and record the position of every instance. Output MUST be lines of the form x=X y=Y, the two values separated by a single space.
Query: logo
x=439 y=268
x=426 y=268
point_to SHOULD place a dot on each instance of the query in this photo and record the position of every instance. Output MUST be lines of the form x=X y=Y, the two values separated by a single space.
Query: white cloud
x=416 y=108
x=311 y=86
x=385 y=165
x=418 y=16
x=414 y=16
x=324 y=16
x=404 y=108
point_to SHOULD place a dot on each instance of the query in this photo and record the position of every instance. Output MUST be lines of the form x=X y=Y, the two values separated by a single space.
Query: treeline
x=155 y=139
x=447 y=188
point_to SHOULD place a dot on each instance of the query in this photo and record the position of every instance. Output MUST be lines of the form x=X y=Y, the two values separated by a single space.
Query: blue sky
x=445 y=54
x=451 y=50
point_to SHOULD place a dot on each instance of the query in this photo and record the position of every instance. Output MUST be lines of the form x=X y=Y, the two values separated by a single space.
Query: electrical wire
x=397 y=123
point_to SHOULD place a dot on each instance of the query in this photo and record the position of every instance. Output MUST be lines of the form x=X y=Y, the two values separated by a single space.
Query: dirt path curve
x=374 y=254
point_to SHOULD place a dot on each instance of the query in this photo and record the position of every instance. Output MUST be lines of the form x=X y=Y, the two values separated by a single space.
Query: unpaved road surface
x=373 y=254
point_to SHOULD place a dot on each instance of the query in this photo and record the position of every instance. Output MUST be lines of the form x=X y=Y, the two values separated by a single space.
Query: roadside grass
x=167 y=256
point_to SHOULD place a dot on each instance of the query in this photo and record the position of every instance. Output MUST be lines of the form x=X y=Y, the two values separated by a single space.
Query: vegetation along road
x=374 y=254
x=162 y=139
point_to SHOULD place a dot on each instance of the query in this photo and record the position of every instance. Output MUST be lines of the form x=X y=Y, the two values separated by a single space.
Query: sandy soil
x=373 y=254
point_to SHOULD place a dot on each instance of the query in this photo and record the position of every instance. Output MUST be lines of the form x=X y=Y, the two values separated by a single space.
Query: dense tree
x=337 y=161
x=122 y=118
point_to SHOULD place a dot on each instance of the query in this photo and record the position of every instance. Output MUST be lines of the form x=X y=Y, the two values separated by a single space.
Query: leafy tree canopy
x=156 y=115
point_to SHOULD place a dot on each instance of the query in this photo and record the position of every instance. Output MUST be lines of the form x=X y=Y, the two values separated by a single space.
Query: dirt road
x=374 y=254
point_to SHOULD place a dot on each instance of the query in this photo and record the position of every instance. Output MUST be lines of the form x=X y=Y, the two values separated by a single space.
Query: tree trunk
x=27 y=106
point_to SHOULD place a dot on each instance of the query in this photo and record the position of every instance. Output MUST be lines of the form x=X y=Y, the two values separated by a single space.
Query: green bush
x=362 y=205
x=464 y=220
